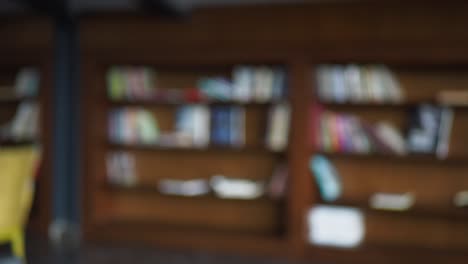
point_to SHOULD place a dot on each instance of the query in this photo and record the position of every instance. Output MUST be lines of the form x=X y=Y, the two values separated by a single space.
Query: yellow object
x=17 y=169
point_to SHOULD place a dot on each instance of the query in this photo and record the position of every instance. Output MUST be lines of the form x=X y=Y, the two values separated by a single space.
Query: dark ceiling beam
x=166 y=7
x=54 y=8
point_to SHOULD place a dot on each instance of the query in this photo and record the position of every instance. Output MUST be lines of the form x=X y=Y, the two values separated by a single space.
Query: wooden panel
x=410 y=29
x=459 y=136
x=425 y=83
x=26 y=33
x=433 y=184
x=152 y=166
x=419 y=232
x=262 y=216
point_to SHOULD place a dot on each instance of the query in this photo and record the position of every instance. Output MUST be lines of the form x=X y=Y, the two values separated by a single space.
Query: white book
x=324 y=83
x=340 y=93
x=367 y=89
x=445 y=128
x=128 y=167
x=376 y=82
x=263 y=84
x=200 y=125
x=192 y=187
x=242 y=78
x=391 y=137
x=394 y=92
x=392 y=201
x=353 y=81
x=24 y=124
x=278 y=127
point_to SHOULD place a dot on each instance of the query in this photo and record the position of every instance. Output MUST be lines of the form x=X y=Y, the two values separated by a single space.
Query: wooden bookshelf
x=298 y=37
x=29 y=44
x=225 y=219
x=40 y=214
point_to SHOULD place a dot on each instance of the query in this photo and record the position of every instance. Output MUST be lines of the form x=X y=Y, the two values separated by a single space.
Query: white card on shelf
x=336 y=226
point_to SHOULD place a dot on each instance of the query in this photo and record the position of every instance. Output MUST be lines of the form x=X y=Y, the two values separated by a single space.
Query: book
x=148 y=128
x=27 y=82
x=424 y=129
x=443 y=137
x=236 y=188
x=279 y=84
x=340 y=91
x=326 y=177
x=115 y=84
x=324 y=83
x=191 y=187
x=352 y=75
x=263 y=78
x=242 y=78
x=200 y=125
x=25 y=124
x=278 y=184
x=133 y=126
x=237 y=126
x=278 y=127
x=357 y=84
x=392 y=201
x=121 y=169
x=131 y=83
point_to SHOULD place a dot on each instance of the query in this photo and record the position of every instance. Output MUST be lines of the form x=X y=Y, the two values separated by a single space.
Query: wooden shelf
x=393 y=158
x=158 y=148
x=386 y=105
x=153 y=190
x=16 y=100
x=10 y=143
x=153 y=103
x=418 y=211
x=423 y=72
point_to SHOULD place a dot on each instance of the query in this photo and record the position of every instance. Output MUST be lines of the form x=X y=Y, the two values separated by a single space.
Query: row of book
x=26 y=85
x=247 y=84
x=197 y=126
x=24 y=126
x=121 y=171
x=358 y=84
x=329 y=183
x=126 y=82
x=430 y=129
x=133 y=126
x=428 y=133
x=347 y=133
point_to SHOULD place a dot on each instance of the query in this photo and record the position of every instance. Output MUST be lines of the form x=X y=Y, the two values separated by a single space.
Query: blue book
x=216 y=116
x=225 y=123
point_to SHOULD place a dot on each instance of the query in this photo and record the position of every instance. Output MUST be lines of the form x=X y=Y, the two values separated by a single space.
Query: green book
x=116 y=84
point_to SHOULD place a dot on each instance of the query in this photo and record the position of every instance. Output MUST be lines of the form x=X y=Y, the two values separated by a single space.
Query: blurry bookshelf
x=387 y=162
x=193 y=150
x=21 y=124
